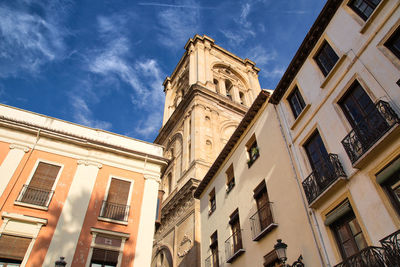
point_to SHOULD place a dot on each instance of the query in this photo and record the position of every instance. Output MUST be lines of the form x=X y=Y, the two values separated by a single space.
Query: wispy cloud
x=29 y=40
x=261 y=56
x=178 y=24
x=276 y=72
x=175 y=6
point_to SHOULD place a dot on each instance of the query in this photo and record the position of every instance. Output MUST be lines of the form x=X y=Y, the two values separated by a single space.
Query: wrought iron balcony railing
x=262 y=221
x=369 y=130
x=213 y=261
x=35 y=196
x=368 y=257
x=320 y=179
x=114 y=211
x=233 y=246
x=391 y=244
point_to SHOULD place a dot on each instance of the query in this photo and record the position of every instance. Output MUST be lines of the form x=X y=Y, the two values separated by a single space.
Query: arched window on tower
x=229 y=86
x=242 y=99
x=216 y=86
x=169 y=182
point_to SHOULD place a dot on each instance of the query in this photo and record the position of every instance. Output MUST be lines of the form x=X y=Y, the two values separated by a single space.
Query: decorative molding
x=23 y=218
x=88 y=163
x=185 y=246
x=20 y=147
x=109 y=233
x=152 y=177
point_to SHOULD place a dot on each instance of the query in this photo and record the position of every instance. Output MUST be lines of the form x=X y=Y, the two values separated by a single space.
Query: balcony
x=368 y=257
x=323 y=177
x=369 y=130
x=35 y=196
x=391 y=244
x=385 y=256
x=114 y=211
x=262 y=222
x=234 y=247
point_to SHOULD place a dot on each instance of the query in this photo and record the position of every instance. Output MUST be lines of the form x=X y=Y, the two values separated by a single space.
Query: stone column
x=192 y=65
x=222 y=87
x=147 y=218
x=235 y=94
x=10 y=164
x=207 y=67
x=201 y=75
x=71 y=220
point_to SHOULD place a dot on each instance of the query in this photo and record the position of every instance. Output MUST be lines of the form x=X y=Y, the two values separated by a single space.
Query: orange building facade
x=70 y=191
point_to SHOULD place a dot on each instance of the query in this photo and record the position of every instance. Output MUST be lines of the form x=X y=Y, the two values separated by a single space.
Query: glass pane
x=344 y=234
x=349 y=248
x=361 y=244
x=95 y=265
x=355 y=228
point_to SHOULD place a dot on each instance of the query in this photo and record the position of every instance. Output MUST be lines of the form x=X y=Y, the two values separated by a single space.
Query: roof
x=305 y=49
x=243 y=125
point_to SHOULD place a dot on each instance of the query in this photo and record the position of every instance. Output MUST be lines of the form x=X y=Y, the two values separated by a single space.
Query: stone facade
x=206 y=97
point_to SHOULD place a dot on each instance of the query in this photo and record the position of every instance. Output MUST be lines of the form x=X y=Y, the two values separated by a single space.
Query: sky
x=101 y=63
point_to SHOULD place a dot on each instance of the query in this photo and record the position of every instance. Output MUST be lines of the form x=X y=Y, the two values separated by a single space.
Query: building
x=250 y=197
x=67 y=190
x=338 y=106
x=339 y=103
x=206 y=97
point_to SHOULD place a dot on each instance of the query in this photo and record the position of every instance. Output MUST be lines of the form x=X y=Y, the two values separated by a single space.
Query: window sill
x=331 y=188
x=235 y=255
x=333 y=71
x=210 y=212
x=301 y=115
x=251 y=162
x=229 y=188
x=112 y=221
x=265 y=231
x=23 y=204
x=371 y=18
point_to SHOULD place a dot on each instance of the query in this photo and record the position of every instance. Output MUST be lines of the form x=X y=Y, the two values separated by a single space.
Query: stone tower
x=206 y=97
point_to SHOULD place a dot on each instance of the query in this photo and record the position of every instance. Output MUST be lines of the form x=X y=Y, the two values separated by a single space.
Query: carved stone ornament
x=20 y=147
x=184 y=246
x=88 y=163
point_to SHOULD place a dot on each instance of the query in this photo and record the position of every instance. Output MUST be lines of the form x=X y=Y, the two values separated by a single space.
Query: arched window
x=169 y=181
x=242 y=99
x=216 y=86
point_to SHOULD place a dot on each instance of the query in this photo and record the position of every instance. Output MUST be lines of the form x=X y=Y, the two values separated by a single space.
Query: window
x=389 y=179
x=230 y=179
x=39 y=190
x=212 y=202
x=104 y=258
x=13 y=249
x=242 y=99
x=263 y=205
x=296 y=102
x=393 y=43
x=318 y=158
x=233 y=245
x=228 y=87
x=214 y=249
x=252 y=151
x=347 y=231
x=363 y=8
x=115 y=206
x=361 y=112
x=326 y=58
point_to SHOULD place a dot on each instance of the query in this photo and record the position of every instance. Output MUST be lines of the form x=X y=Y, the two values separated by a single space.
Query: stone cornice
x=20 y=147
x=89 y=163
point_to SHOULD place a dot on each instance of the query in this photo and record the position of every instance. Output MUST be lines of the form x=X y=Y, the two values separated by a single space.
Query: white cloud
x=28 y=41
x=177 y=24
x=150 y=125
x=276 y=72
x=261 y=56
x=83 y=115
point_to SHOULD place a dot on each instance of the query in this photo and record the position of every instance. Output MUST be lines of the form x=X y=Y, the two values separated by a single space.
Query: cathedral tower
x=206 y=97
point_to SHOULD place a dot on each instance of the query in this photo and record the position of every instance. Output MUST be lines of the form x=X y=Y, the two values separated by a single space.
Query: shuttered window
x=39 y=190
x=13 y=247
x=103 y=257
x=119 y=191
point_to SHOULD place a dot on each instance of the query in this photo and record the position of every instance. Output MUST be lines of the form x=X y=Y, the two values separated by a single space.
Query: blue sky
x=101 y=63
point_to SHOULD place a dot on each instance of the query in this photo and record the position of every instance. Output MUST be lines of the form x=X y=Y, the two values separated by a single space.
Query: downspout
x=20 y=172
x=291 y=155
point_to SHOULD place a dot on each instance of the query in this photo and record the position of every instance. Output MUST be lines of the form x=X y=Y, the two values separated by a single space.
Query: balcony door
x=235 y=227
x=319 y=159
x=362 y=114
x=115 y=206
x=262 y=200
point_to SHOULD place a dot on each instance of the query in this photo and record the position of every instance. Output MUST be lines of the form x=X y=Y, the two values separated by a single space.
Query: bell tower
x=206 y=97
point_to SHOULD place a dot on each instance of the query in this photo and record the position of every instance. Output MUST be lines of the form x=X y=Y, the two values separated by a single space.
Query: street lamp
x=280 y=249
x=61 y=262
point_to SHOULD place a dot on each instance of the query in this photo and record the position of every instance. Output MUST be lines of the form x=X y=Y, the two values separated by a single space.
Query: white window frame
x=112 y=234
x=28 y=181
x=110 y=177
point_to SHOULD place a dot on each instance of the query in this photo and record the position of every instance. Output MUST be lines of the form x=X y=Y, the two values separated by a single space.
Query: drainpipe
x=20 y=172
x=291 y=155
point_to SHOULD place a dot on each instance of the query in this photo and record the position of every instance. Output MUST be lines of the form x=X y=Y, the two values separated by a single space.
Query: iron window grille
x=35 y=196
x=114 y=211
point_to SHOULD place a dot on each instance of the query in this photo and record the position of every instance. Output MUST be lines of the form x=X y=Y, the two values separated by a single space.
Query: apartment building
x=70 y=191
